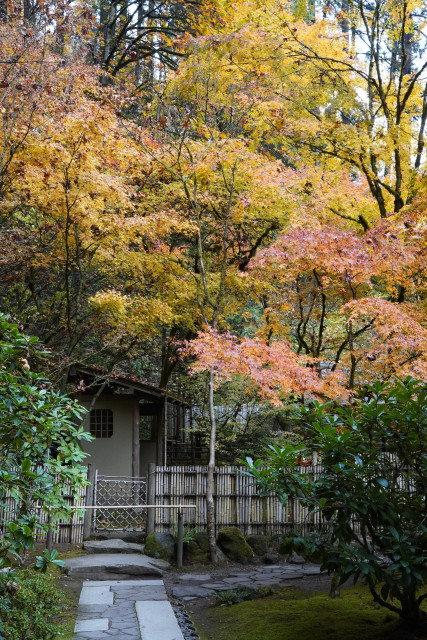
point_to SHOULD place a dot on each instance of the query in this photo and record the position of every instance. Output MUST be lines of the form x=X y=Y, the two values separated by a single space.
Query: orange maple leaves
x=336 y=293
x=275 y=369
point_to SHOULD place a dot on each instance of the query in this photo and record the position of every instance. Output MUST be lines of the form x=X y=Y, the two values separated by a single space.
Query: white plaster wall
x=112 y=456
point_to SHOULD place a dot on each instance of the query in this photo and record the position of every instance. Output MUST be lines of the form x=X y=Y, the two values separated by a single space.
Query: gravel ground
x=184 y=620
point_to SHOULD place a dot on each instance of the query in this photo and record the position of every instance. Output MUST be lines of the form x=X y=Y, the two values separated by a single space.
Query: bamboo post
x=166 y=418
x=151 y=496
x=49 y=534
x=180 y=541
x=87 y=522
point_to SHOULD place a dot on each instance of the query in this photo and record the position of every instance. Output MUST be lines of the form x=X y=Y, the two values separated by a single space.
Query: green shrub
x=374 y=470
x=232 y=596
x=241 y=594
x=189 y=532
x=40 y=451
x=29 y=605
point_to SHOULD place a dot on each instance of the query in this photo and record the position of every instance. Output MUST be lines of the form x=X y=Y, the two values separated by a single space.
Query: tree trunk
x=210 y=506
x=3 y=10
x=411 y=614
x=335 y=591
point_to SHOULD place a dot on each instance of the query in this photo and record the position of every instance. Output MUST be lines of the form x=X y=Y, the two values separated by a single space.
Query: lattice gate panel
x=119 y=491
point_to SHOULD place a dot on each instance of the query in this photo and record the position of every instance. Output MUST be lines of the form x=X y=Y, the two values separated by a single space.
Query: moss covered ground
x=292 y=614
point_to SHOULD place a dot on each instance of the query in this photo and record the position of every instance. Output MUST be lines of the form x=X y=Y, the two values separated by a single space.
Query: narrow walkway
x=125 y=610
x=189 y=586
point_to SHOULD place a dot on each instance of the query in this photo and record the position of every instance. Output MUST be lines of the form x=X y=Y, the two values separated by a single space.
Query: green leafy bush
x=30 y=604
x=374 y=474
x=40 y=451
x=188 y=534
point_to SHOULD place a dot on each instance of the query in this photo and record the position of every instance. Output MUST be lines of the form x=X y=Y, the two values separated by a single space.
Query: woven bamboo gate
x=119 y=490
x=237 y=502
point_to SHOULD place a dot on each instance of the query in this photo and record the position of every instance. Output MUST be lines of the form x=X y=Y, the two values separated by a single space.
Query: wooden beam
x=87 y=523
x=135 y=440
x=151 y=496
x=160 y=428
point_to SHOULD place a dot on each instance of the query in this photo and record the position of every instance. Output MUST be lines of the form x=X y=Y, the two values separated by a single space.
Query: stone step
x=157 y=621
x=123 y=534
x=107 y=566
x=114 y=545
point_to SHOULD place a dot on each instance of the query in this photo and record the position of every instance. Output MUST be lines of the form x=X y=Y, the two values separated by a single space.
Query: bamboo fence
x=67 y=531
x=237 y=502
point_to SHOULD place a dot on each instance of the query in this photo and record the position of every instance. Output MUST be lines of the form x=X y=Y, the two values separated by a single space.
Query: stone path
x=125 y=610
x=192 y=585
x=110 y=566
x=119 y=601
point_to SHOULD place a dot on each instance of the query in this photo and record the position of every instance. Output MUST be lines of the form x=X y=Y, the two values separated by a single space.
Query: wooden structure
x=134 y=423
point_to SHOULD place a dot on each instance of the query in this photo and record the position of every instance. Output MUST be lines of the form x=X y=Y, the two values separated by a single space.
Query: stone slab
x=235 y=580
x=92 y=635
x=186 y=590
x=140 y=594
x=114 y=545
x=157 y=621
x=311 y=571
x=126 y=583
x=223 y=587
x=89 y=610
x=97 y=565
x=96 y=595
x=99 y=624
x=128 y=592
x=202 y=577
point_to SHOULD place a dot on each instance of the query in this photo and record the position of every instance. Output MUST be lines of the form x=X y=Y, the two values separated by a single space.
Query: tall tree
x=145 y=35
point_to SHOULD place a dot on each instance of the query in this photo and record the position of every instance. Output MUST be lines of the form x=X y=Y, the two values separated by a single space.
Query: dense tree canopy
x=270 y=188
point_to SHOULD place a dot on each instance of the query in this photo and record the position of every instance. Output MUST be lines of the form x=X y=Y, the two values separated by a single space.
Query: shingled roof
x=101 y=375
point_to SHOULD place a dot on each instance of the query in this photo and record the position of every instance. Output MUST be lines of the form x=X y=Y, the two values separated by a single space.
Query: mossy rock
x=231 y=540
x=193 y=554
x=160 y=545
x=197 y=549
x=259 y=544
x=201 y=538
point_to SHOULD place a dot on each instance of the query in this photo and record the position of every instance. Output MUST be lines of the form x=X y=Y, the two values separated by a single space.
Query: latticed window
x=101 y=423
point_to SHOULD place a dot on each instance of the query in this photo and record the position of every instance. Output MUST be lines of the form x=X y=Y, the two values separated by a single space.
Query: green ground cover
x=292 y=613
x=44 y=606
